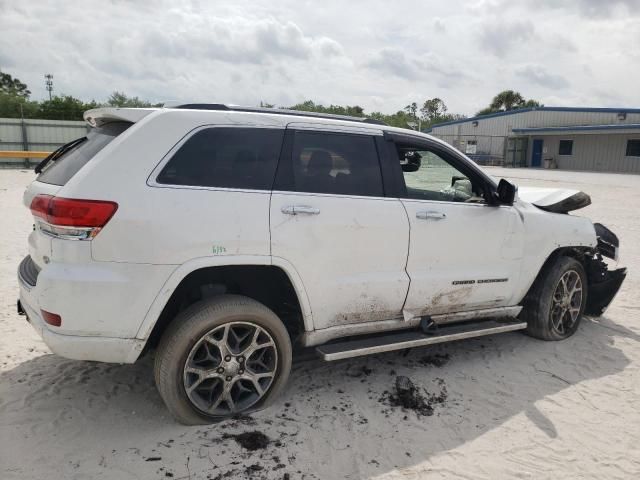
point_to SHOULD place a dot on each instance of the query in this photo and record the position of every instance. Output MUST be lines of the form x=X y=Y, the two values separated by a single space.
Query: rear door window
x=333 y=163
x=226 y=158
x=60 y=171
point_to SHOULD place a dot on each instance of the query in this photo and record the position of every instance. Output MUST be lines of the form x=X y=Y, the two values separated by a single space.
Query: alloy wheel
x=230 y=368
x=566 y=302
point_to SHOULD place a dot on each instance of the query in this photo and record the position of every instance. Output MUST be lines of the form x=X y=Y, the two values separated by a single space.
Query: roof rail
x=276 y=111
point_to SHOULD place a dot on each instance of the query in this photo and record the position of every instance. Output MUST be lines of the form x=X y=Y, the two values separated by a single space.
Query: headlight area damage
x=603 y=283
x=556 y=200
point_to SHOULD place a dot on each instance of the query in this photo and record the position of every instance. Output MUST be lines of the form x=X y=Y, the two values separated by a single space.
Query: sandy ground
x=515 y=407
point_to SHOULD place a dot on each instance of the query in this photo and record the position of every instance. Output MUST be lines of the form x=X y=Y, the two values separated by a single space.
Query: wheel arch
x=225 y=267
x=580 y=253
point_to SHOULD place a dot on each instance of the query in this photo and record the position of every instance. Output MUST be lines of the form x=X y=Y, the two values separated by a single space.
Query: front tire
x=221 y=357
x=554 y=306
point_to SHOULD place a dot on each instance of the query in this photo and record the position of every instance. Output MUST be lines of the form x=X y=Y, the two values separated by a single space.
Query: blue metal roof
x=546 y=109
x=628 y=126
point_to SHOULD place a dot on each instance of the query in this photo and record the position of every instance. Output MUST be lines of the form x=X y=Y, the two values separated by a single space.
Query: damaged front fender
x=602 y=290
x=608 y=243
x=556 y=200
x=603 y=283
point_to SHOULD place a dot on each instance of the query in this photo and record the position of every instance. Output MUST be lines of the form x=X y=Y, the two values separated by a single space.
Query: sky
x=381 y=55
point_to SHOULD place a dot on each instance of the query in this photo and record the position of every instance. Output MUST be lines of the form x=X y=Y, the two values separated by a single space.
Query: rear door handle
x=300 y=209
x=430 y=214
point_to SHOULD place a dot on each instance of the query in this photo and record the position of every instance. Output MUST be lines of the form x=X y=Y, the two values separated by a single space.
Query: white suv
x=221 y=236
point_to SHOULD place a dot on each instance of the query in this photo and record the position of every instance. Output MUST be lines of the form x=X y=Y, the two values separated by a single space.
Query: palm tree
x=507 y=100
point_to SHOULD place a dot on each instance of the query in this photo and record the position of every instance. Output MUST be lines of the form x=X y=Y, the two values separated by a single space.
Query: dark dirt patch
x=220 y=476
x=407 y=396
x=363 y=371
x=256 y=467
x=238 y=420
x=250 y=440
x=437 y=359
x=153 y=459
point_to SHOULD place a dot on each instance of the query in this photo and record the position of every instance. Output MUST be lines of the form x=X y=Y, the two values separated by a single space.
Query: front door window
x=430 y=177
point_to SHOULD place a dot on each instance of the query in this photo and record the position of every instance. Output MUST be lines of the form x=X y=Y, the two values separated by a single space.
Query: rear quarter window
x=226 y=158
x=60 y=171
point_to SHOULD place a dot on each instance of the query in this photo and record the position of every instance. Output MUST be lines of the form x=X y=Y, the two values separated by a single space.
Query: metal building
x=35 y=135
x=593 y=139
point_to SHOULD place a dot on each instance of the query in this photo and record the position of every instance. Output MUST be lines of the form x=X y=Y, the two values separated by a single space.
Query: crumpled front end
x=555 y=200
x=603 y=282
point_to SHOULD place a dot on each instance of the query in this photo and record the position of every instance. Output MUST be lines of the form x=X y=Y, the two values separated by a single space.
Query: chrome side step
x=402 y=340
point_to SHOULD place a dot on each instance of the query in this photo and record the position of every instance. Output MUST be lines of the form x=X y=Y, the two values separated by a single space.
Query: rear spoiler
x=100 y=116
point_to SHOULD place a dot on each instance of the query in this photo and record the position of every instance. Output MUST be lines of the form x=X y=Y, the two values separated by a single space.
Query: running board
x=402 y=340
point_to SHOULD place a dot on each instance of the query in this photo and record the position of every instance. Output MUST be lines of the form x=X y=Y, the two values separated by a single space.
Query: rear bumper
x=101 y=304
x=101 y=349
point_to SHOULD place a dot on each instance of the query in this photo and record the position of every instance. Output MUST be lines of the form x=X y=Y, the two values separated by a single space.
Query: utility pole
x=416 y=125
x=49 y=83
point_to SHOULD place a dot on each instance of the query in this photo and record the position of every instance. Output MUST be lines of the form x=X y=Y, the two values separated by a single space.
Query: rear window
x=227 y=158
x=61 y=170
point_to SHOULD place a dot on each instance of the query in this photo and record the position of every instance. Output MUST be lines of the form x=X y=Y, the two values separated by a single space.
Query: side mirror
x=506 y=192
x=456 y=179
x=412 y=162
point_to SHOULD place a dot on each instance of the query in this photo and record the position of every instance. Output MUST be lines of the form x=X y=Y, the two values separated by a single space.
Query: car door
x=331 y=222
x=464 y=254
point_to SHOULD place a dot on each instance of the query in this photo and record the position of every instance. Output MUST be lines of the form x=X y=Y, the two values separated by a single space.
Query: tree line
x=431 y=112
x=15 y=103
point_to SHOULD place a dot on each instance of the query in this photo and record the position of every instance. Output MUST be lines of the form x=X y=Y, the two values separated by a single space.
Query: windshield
x=62 y=168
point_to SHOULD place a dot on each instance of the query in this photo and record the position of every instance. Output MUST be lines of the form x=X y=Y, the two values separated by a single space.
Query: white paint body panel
x=451 y=259
x=351 y=256
x=544 y=232
x=348 y=264
x=545 y=197
x=76 y=347
x=200 y=222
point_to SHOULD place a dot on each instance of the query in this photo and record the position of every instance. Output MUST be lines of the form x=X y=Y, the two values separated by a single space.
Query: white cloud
x=394 y=61
x=501 y=37
x=540 y=76
x=381 y=56
x=439 y=25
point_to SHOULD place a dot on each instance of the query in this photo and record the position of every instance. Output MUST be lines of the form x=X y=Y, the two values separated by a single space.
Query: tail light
x=72 y=218
x=52 y=319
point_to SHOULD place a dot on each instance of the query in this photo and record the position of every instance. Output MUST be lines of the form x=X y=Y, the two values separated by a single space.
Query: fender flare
x=546 y=260
x=181 y=272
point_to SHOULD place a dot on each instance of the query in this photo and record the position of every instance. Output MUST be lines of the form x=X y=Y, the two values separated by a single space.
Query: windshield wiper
x=56 y=154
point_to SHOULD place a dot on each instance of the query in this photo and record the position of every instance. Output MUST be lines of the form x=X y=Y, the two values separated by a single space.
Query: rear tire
x=221 y=357
x=554 y=306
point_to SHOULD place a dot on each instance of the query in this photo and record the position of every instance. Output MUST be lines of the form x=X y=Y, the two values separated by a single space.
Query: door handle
x=431 y=215
x=298 y=209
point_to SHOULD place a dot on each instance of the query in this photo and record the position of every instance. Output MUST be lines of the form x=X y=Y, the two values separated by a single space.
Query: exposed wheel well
x=582 y=254
x=268 y=285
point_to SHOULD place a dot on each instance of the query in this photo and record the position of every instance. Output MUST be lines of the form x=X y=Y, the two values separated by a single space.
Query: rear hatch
x=56 y=170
